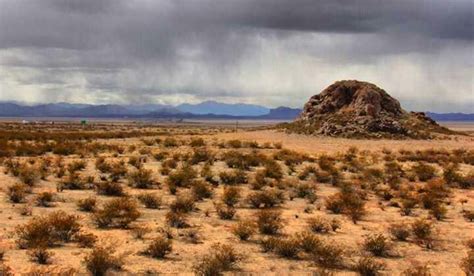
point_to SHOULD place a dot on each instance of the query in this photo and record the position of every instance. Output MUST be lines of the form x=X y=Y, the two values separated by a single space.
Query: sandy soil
x=316 y=145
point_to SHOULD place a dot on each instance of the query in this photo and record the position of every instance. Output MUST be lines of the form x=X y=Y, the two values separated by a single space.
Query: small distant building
x=25 y=122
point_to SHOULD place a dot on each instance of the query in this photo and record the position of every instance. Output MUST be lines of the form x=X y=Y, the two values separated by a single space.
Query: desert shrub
x=176 y=219
x=231 y=196
x=40 y=255
x=335 y=224
x=191 y=236
x=424 y=171
x=368 y=266
x=378 y=245
x=183 y=204
x=100 y=260
x=182 y=177
x=349 y=202
x=438 y=211
x=102 y=165
x=467 y=182
x=451 y=174
x=259 y=181
x=28 y=175
x=140 y=231
x=236 y=160
x=353 y=202
x=208 y=174
x=326 y=163
x=135 y=161
x=119 y=212
x=269 y=244
x=333 y=177
x=148 y=142
x=422 y=229
x=50 y=270
x=73 y=182
x=151 y=201
x=328 y=255
x=159 y=248
x=407 y=206
x=222 y=258
x=373 y=175
x=85 y=240
x=393 y=169
x=6 y=270
x=76 y=166
x=354 y=206
x=170 y=163
x=201 y=190
x=469 y=243
x=224 y=211
x=308 y=241
x=17 y=192
x=417 y=270
x=118 y=170
x=266 y=199
x=319 y=224
x=335 y=204
x=87 y=204
x=141 y=179
x=244 y=230
x=289 y=157
x=467 y=264
x=26 y=210
x=202 y=155
x=287 y=247
x=159 y=156
x=434 y=192
x=234 y=177
x=307 y=171
x=197 y=142
x=269 y=222
x=234 y=144
x=273 y=170
x=469 y=215
x=47 y=230
x=109 y=188
x=251 y=144
x=400 y=232
x=12 y=166
x=64 y=226
x=170 y=142
x=305 y=190
x=45 y=199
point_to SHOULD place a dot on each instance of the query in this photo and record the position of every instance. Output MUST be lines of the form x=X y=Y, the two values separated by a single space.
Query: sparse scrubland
x=148 y=199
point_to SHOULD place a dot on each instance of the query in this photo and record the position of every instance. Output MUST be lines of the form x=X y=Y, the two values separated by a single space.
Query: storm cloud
x=270 y=52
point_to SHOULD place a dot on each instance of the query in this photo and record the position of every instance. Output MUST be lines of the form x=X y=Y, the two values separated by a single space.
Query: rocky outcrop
x=360 y=109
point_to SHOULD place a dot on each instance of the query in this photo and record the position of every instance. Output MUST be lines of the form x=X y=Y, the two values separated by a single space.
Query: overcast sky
x=269 y=52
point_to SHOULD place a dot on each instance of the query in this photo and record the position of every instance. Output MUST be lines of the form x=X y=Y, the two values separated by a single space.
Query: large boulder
x=353 y=108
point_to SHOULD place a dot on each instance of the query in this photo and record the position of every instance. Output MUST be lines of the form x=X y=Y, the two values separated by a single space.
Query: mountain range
x=208 y=109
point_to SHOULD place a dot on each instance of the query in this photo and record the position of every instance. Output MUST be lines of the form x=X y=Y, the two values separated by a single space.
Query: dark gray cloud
x=273 y=52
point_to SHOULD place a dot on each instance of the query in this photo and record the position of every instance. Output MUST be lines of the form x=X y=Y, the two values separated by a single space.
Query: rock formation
x=359 y=109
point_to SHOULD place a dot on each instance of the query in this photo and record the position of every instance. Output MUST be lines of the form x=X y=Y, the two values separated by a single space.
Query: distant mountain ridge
x=451 y=116
x=213 y=107
x=208 y=109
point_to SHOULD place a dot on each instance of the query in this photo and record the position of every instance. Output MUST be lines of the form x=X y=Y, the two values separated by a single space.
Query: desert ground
x=127 y=198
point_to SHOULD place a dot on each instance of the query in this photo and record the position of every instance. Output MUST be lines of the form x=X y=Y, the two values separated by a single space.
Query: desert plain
x=128 y=198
